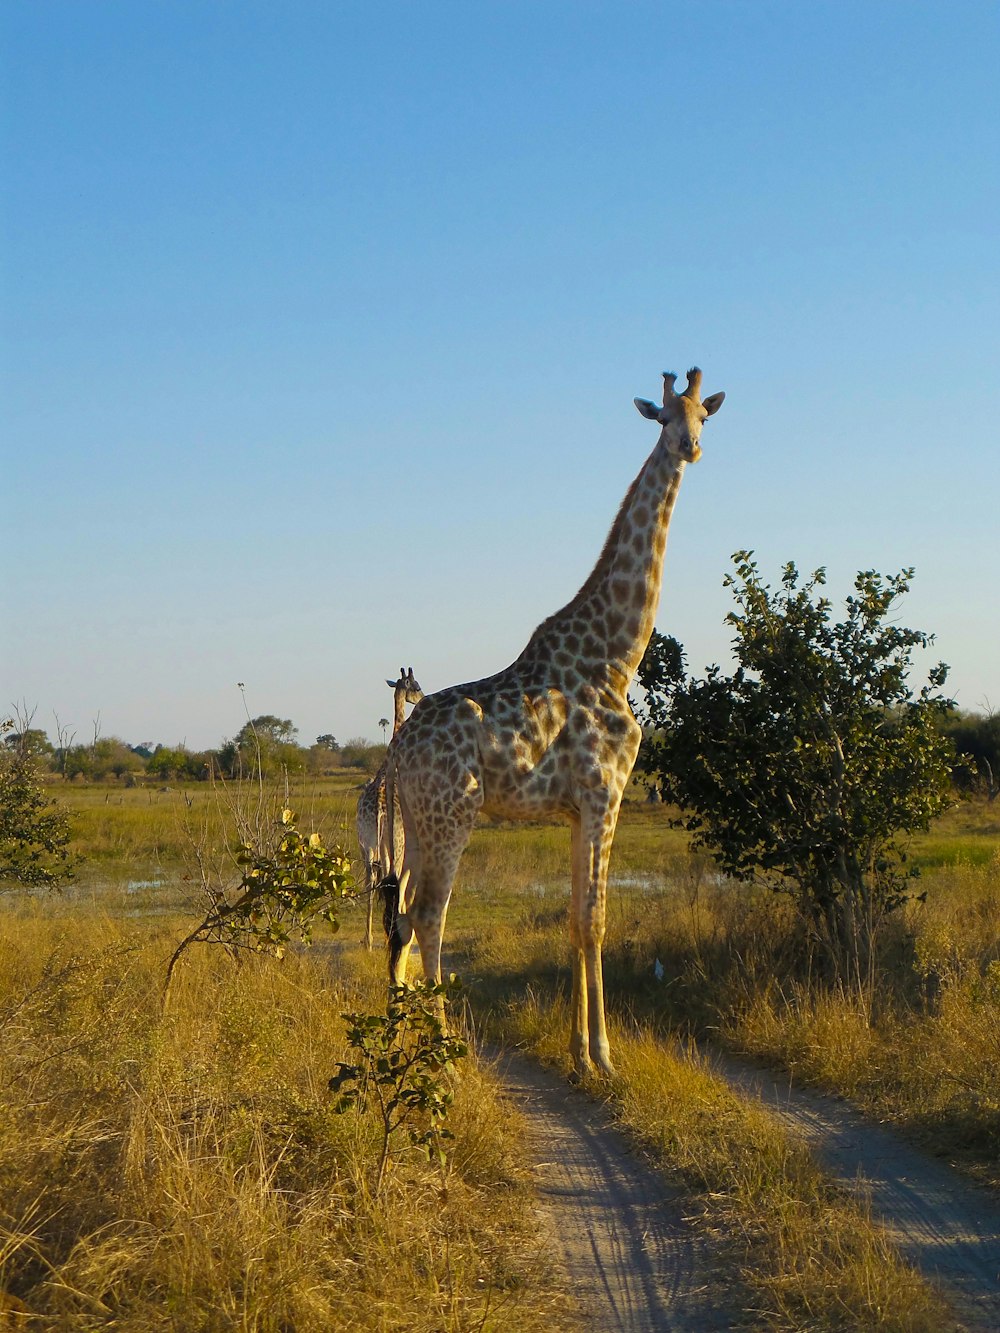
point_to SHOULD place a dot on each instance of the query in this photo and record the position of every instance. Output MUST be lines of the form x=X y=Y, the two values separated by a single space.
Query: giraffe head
x=682 y=415
x=407 y=684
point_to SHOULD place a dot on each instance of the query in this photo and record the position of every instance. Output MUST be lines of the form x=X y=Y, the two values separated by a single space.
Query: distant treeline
x=269 y=743
x=976 y=737
x=265 y=744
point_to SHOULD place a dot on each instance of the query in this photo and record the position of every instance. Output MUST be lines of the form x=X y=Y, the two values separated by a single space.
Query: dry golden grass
x=117 y=1126
x=736 y=970
x=930 y=1058
x=187 y=1170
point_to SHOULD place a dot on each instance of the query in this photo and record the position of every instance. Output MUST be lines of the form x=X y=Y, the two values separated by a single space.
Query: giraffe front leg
x=597 y=833
x=600 y=1046
x=579 y=1039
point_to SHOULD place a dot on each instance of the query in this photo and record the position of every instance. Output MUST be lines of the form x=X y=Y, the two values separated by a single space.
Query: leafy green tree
x=34 y=831
x=320 y=762
x=280 y=730
x=359 y=752
x=264 y=745
x=804 y=767
x=77 y=762
x=162 y=763
x=33 y=742
x=107 y=757
x=178 y=761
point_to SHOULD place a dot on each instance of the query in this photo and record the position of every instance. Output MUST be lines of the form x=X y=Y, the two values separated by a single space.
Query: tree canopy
x=804 y=766
x=265 y=744
x=34 y=831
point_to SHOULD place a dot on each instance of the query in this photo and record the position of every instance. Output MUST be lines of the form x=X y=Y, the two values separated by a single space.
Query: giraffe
x=371 y=802
x=553 y=734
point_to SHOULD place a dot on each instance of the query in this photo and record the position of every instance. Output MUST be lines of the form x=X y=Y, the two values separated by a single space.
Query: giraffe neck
x=398 y=709
x=613 y=614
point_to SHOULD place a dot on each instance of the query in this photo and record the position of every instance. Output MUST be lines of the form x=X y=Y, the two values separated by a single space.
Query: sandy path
x=943 y=1223
x=633 y=1262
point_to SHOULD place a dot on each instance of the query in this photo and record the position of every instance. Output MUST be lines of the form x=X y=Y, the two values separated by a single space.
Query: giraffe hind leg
x=427 y=906
x=431 y=859
x=396 y=934
x=397 y=894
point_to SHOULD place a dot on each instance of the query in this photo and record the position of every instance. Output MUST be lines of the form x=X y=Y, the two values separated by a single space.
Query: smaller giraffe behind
x=371 y=804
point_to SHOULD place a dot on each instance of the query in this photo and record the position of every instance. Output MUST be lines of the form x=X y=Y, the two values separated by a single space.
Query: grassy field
x=146 y=832
x=189 y=1161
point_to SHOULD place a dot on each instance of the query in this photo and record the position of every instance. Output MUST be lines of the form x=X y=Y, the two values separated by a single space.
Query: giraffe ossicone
x=551 y=735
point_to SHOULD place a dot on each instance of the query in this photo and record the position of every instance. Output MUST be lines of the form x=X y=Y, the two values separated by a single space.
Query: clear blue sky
x=322 y=324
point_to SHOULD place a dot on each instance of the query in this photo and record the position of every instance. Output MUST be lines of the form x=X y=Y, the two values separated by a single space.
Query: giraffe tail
x=398 y=930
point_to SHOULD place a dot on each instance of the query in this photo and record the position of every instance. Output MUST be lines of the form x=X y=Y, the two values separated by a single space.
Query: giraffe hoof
x=582 y=1070
x=602 y=1061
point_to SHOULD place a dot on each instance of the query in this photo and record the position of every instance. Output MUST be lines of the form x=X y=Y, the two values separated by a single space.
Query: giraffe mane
x=603 y=560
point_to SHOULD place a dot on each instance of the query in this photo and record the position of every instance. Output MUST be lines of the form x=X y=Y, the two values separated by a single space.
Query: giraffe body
x=553 y=734
x=371 y=804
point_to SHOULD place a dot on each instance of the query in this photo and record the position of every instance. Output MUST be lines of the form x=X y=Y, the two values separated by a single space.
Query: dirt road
x=633 y=1262
x=943 y=1223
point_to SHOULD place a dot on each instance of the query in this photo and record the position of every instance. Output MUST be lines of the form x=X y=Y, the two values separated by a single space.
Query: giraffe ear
x=648 y=409
x=391 y=684
x=713 y=402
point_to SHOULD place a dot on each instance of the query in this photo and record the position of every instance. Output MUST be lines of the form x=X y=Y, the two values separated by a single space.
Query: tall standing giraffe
x=371 y=802
x=551 y=735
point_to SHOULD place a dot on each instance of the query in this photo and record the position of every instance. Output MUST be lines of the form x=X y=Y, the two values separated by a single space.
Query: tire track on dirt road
x=635 y=1264
x=947 y=1226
